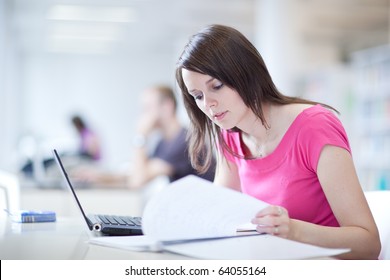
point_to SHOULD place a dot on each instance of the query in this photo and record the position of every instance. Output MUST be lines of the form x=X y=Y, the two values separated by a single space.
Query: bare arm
x=226 y=174
x=337 y=175
x=357 y=230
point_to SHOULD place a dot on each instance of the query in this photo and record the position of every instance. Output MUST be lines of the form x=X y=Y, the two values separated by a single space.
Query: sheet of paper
x=258 y=247
x=246 y=227
x=195 y=208
x=133 y=243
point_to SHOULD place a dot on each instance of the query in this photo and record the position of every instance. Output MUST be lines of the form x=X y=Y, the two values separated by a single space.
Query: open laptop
x=105 y=224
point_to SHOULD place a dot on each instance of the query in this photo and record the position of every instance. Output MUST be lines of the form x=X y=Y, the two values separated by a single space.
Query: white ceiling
x=349 y=24
x=160 y=25
x=157 y=25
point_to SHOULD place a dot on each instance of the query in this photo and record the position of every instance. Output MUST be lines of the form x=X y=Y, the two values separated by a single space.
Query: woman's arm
x=226 y=174
x=357 y=231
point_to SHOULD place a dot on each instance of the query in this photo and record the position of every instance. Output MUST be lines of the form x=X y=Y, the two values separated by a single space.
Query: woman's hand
x=273 y=220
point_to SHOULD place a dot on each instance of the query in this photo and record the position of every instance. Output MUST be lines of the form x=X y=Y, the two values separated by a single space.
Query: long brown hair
x=225 y=54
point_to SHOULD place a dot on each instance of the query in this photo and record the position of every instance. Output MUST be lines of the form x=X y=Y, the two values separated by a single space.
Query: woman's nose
x=209 y=102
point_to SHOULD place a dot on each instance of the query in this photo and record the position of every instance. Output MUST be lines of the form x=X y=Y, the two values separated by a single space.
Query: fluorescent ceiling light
x=91 y=13
x=78 y=45
x=104 y=31
x=82 y=38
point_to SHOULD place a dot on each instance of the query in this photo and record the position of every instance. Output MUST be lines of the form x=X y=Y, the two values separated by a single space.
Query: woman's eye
x=217 y=87
x=198 y=97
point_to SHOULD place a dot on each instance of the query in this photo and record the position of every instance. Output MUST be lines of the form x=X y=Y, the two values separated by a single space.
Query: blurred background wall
x=94 y=58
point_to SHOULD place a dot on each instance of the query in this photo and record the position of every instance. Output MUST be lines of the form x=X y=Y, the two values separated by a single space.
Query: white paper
x=258 y=247
x=195 y=208
x=189 y=208
x=133 y=243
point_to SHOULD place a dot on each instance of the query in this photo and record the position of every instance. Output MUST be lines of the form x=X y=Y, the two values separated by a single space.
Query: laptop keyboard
x=120 y=220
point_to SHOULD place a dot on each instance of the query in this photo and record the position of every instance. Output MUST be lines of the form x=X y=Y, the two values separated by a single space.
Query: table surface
x=67 y=238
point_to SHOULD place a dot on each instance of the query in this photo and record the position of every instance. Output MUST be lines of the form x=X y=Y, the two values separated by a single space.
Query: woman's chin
x=224 y=126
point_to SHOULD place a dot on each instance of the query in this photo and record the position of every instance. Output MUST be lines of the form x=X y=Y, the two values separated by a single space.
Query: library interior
x=93 y=59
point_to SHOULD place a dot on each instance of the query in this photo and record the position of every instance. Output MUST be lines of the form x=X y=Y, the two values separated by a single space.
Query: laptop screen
x=59 y=162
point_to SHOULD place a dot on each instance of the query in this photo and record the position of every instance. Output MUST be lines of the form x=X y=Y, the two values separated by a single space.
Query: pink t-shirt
x=288 y=176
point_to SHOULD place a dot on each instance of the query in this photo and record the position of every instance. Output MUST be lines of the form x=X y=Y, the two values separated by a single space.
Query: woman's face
x=223 y=105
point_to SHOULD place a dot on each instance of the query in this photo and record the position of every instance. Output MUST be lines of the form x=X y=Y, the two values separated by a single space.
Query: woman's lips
x=219 y=116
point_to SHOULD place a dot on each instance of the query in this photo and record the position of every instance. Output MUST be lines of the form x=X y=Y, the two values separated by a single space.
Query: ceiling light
x=78 y=45
x=91 y=13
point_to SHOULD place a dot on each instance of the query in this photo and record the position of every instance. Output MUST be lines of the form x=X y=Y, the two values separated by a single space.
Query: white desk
x=67 y=238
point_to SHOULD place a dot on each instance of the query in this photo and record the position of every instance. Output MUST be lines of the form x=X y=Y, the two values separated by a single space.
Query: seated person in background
x=170 y=156
x=89 y=142
x=89 y=150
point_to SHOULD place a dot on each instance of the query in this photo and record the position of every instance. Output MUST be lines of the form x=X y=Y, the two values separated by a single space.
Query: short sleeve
x=321 y=128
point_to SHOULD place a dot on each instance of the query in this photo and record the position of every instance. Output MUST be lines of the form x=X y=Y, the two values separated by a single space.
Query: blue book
x=25 y=216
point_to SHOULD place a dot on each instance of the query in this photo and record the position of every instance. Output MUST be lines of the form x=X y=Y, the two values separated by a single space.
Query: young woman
x=290 y=152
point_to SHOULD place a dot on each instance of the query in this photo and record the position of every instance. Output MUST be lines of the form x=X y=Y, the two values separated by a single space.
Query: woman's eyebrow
x=210 y=80
x=192 y=90
x=207 y=82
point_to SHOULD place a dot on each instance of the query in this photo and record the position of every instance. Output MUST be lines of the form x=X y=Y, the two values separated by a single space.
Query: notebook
x=104 y=224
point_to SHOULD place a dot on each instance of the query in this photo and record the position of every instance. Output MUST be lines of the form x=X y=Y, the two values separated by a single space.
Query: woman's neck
x=255 y=129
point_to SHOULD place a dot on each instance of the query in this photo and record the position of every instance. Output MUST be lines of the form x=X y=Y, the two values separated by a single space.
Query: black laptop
x=105 y=224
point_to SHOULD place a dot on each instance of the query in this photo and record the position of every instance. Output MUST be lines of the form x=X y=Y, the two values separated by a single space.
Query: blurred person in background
x=89 y=141
x=39 y=166
x=169 y=157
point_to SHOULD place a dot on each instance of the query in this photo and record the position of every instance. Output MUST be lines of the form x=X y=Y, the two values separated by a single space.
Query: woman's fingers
x=272 y=220
x=274 y=210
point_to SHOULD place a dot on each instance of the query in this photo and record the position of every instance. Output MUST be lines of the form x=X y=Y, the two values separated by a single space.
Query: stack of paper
x=197 y=218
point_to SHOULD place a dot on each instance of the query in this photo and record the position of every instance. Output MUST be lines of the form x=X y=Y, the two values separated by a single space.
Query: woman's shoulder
x=316 y=121
x=295 y=110
x=288 y=116
x=308 y=112
x=306 y=120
